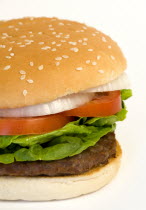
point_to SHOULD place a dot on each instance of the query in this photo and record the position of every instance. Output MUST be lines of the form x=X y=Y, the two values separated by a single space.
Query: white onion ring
x=59 y=105
x=120 y=83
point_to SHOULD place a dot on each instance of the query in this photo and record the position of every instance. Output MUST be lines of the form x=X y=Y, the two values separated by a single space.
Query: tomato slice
x=105 y=104
x=33 y=125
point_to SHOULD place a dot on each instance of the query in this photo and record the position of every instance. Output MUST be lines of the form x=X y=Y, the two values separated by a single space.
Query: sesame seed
x=79 y=68
x=61 y=24
x=30 y=32
x=24 y=36
x=30 y=81
x=101 y=71
x=57 y=63
x=112 y=57
x=87 y=61
x=53 y=42
x=10 y=26
x=94 y=63
x=72 y=43
x=40 y=33
x=93 y=34
x=28 y=43
x=50 y=25
x=45 y=48
x=75 y=49
x=53 y=49
x=5 y=34
x=104 y=39
x=84 y=27
x=22 y=72
x=31 y=35
x=53 y=32
x=8 y=57
x=109 y=46
x=58 y=45
x=22 y=77
x=85 y=39
x=41 y=43
x=84 y=43
x=63 y=40
x=51 y=29
x=19 y=43
x=25 y=92
x=12 y=54
x=60 y=33
x=31 y=63
x=16 y=29
x=58 y=58
x=10 y=49
x=80 y=40
x=98 y=57
x=2 y=46
x=7 y=67
x=20 y=23
x=90 y=50
x=53 y=19
x=67 y=36
x=28 y=40
x=22 y=46
x=40 y=67
x=65 y=56
x=58 y=36
x=4 y=37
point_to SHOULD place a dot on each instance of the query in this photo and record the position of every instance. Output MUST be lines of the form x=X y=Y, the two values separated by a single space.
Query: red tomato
x=32 y=125
x=105 y=104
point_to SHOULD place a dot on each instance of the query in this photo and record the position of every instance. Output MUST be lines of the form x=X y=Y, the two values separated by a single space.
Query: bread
x=42 y=59
x=55 y=188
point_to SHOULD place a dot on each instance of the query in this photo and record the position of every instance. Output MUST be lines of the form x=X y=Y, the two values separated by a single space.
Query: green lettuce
x=68 y=141
x=126 y=93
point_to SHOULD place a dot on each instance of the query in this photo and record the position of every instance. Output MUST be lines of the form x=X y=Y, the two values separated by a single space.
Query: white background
x=125 y=22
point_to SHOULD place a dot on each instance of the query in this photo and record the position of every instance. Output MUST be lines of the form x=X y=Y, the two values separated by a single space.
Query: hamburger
x=62 y=90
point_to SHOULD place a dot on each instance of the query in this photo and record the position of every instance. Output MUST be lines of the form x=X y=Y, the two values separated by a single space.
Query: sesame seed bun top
x=42 y=59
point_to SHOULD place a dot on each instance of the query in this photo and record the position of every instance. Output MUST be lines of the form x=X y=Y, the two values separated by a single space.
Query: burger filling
x=67 y=143
x=95 y=156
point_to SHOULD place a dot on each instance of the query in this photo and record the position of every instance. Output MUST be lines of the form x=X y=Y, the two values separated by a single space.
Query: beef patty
x=95 y=156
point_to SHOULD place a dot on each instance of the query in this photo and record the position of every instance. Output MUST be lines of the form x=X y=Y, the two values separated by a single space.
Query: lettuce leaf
x=126 y=93
x=68 y=141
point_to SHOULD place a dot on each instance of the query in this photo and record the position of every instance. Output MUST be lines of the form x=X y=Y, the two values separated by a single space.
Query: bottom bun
x=55 y=188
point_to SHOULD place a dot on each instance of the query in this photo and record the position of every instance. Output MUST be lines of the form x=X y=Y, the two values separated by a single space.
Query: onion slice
x=67 y=102
x=122 y=82
x=59 y=105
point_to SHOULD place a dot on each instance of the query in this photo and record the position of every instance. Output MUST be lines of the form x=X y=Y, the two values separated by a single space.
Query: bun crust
x=55 y=188
x=42 y=59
